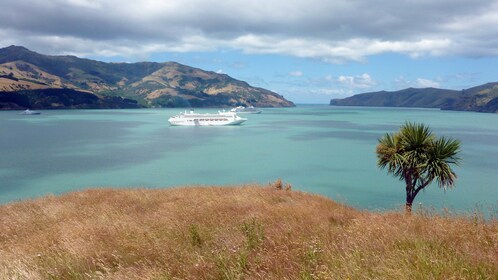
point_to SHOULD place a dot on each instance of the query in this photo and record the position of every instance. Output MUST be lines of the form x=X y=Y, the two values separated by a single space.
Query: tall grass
x=249 y=232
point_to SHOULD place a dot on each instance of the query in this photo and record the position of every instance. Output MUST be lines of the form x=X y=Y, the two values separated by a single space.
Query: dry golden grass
x=30 y=77
x=249 y=232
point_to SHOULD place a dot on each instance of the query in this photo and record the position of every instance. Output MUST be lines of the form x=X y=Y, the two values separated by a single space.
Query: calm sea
x=318 y=149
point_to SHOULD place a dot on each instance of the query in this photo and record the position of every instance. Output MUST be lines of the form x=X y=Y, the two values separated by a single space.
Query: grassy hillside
x=410 y=97
x=150 y=84
x=483 y=98
x=61 y=98
x=249 y=232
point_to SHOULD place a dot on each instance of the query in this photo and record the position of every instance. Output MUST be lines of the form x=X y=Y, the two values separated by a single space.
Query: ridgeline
x=483 y=98
x=36 y=81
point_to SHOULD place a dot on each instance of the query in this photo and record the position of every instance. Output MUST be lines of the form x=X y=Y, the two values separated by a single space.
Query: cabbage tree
x=417 y=157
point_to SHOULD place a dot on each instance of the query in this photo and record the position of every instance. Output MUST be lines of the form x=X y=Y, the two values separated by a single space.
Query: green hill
x=483 y=98
x=120 y=85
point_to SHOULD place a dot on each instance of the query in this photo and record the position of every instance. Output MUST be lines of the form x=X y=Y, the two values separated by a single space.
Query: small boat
x=190 y=118
x=29 y=112
x=245 y=110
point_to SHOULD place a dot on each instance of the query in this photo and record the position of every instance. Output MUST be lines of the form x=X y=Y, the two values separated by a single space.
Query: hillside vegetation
x=249 y=232
x=483 y=98
x=148 y=84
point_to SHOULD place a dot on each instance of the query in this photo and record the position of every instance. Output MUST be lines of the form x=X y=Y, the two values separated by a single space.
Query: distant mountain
x=29 y=79
x=483 y=98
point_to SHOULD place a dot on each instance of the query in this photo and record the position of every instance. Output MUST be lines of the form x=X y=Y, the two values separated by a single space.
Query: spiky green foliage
x=415 y=155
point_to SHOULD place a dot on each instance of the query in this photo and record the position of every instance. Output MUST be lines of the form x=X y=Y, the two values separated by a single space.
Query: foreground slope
x=483 y=98
x=249 y=232
x=144 y=84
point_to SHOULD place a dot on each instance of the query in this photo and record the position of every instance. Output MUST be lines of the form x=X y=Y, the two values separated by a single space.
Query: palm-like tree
x=417 y=157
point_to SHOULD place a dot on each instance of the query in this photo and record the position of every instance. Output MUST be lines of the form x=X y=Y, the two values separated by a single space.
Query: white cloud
x=363 y=81
x=92 y=4
x=423 y=83
x=296 y=73
x=329 y=78
x=327 y=30
x=329 y=86
x=220 y=71
x=402 y=82
x=315 y=95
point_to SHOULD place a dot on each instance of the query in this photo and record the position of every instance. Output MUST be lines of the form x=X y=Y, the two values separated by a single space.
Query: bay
x=318 y=149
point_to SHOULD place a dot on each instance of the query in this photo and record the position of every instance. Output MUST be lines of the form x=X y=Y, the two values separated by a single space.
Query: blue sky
x=313 y=81
x=310 y=51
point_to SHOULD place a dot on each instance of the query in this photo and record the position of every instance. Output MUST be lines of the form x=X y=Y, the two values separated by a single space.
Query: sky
x=309 y=51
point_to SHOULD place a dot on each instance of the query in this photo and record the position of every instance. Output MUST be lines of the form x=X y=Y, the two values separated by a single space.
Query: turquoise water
x=319 y=149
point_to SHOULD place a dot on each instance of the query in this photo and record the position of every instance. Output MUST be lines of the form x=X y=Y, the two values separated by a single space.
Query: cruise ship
x=245 y=110
x=190 y=118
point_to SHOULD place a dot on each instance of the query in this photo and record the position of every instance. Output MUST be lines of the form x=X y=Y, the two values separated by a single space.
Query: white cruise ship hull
x=193 y=119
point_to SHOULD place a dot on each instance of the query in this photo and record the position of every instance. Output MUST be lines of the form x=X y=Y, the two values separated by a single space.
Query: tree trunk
x=409 y=201
x=408 y=208
x=409 y=191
